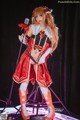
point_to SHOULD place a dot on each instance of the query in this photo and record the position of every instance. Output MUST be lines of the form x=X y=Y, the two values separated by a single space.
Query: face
x=40 y=19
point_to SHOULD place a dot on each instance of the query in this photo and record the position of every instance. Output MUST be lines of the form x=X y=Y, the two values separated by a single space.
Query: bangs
x=38 y=11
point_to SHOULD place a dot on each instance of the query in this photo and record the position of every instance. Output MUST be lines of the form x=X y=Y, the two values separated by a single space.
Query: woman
x=42 y=39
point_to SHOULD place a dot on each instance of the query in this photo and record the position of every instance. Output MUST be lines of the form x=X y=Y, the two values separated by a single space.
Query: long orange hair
x=49 y=20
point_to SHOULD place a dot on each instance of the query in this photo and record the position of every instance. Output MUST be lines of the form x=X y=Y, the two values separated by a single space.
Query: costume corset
x=40 y=40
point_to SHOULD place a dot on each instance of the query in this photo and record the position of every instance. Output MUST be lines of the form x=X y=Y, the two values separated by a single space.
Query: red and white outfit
x=25 y=68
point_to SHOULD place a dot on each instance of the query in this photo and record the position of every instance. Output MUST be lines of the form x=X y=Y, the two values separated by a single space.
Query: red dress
x=25 y=70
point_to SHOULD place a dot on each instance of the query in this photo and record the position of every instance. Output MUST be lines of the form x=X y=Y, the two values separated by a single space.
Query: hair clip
x=49 y=11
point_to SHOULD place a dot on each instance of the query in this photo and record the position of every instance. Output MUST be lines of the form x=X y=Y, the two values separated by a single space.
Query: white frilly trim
x=37 y=28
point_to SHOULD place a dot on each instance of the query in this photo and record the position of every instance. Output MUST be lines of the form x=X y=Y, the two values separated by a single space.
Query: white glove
x=42 y=59
x=22 y=39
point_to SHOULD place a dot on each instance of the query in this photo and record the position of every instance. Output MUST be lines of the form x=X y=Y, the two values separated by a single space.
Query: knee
x=23 y=86
x=44 y=90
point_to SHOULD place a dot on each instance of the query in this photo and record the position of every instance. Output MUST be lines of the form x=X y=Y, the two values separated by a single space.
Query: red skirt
x=25 y=72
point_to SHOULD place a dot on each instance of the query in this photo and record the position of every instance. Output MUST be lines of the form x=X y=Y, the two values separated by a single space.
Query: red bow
x=23 y=26
x=41 y=34
x=38 y=47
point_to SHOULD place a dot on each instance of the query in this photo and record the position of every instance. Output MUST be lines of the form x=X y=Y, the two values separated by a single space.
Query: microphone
x=26 y=21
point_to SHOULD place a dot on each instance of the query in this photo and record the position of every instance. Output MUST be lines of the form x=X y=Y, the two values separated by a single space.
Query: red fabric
x=23 y=26
x=22 y=69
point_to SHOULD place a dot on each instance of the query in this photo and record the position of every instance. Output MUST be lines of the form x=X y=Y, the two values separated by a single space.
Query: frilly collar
x=38 y=28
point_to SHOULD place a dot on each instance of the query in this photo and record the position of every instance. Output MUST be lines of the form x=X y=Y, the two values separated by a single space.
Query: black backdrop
x=63 y=65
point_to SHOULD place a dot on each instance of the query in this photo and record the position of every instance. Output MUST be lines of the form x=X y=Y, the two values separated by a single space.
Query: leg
x=23 y=99
x=48 y=99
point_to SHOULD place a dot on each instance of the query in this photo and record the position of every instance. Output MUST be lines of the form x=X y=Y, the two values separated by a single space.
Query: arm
x=46 y=53
x=25 y=36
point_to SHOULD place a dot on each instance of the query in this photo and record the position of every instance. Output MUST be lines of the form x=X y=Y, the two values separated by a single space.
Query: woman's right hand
x=22 y=38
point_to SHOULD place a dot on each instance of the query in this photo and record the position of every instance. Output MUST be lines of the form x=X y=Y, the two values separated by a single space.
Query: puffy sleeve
x=35 y=29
